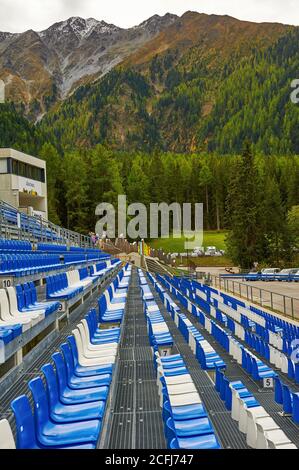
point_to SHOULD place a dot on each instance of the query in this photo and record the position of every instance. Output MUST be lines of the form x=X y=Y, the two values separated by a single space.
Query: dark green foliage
x=16 y=131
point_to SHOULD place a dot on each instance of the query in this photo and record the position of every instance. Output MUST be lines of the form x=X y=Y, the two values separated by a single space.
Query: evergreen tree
x=243 y=211
x=54 y=181
x=75 y=180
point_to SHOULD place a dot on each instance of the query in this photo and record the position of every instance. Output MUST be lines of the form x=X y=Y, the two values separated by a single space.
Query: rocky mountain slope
x=206 y=82
x=40 y=68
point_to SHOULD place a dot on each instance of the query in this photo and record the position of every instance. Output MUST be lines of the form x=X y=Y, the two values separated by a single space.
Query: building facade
x=23 y=182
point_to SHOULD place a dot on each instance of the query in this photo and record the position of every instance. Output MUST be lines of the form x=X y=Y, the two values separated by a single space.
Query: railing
x=279 y=303
x=27 y=227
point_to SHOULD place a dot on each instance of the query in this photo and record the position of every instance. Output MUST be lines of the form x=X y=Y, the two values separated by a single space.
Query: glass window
x=15 y=167
x=3 y=165
x=27 y=171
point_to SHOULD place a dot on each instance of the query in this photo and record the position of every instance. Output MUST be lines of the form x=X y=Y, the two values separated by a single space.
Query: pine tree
x=243 y=211
x=54 y=184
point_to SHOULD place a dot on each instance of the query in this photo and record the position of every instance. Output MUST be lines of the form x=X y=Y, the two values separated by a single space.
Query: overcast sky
x=20 y=15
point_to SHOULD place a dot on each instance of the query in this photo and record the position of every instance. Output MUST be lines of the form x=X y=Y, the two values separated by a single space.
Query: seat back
x=27 y=295
x=287 y=399
x=25 y=426
x=60 y=371
x=278 y=391
x=13 y=302
x=33 y=292
x=296 y=408
x=7 y=441
x=84 y=337
x=52 y=384
x=102 y=302
x=68 y=358
x=4 y=307
x=74 y=350
x=41 y=403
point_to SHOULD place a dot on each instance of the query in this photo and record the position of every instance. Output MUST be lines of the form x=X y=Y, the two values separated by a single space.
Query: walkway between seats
x=226 y=429
x=136 y=414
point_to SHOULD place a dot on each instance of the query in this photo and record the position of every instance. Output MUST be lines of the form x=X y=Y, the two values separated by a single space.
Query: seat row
x=26 y=265
x=112 y=303
x=20 y=311
x=208 y=358
x=65 y=286
x=260 y=429
x=252 y=364
x=273 y=323
x=254 y=421
x=288 y=399
x=186 y=421
x=70 y=398
x=157 y=328
x=14 y=245
x=100 y=269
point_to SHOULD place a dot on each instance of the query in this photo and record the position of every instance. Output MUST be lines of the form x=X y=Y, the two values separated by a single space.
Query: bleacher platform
x=98 y=354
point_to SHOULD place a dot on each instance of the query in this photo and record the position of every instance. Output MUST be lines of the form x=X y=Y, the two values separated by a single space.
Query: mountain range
x=42 y=67
x=190 y=83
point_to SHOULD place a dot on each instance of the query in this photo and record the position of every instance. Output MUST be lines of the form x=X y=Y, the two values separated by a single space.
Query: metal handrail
x=278 y=303
x=48 y=231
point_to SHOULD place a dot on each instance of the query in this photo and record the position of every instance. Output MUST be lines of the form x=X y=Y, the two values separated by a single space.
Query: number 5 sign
x=268 y=383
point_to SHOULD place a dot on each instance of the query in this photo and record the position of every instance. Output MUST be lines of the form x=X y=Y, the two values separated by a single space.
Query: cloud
x=18 y=15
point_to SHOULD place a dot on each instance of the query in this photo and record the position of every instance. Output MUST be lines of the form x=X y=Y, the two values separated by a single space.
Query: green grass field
x=176 y=245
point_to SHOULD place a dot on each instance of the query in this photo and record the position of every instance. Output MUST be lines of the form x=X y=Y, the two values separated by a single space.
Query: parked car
x=286 y=274
x=269 y=274
x=253 y=276
x=211 y=251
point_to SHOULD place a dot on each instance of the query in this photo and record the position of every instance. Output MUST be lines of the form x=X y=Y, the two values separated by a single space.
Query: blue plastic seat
x=278 y=394
x=61 y=413
x=205 y=442
x=50 y=433
x=83 y=371
x=295 y=414
x=187 y=428
x=287 y=400
x=25 y=428
x=75 y=382
x=69 y=396
x=182 y=413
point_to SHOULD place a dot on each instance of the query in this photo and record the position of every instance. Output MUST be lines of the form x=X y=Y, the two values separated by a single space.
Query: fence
x=17 y=225
x=279 y=303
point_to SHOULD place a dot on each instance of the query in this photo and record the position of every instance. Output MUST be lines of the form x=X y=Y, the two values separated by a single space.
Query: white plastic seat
x=253 y=415
x=181 y=389
x=176 y=380
x=7 y=441
x=99 y=350
x=235 y=413
x=263 y=425
x=7 y=317
x=278 y=440
x=92 y=359
x=105 y=346
x=272 y=355
x=37 y=315
x=284 y=364
x=179 y=379
x=186 y=399
x=111 y=307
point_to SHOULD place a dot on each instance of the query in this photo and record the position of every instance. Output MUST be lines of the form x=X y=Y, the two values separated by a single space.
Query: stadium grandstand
x=96 y=353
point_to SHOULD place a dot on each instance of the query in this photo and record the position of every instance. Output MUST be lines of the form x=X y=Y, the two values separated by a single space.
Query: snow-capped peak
x=80 y=26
